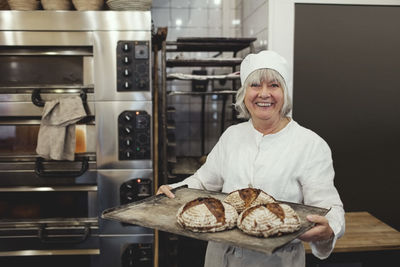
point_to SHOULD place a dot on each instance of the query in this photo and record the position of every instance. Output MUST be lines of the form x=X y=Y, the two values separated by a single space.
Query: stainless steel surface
x=51 y=252
x=48 y=188
x=22 y=109
x=9 y=37
x=17 y=172
x=109 y=185
x=50 y=223
x=46 y=51
x=87 y=45
x=75 y=21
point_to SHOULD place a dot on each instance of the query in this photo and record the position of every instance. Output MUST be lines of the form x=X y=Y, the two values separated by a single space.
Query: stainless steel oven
x=50 y=209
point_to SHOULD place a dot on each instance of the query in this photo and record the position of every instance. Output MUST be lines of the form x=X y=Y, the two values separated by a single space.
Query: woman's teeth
x=264 y=104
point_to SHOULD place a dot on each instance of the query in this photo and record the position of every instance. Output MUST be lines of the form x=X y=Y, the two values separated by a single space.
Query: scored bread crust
x=268 y=220
x=244 y=198
x=207 y=215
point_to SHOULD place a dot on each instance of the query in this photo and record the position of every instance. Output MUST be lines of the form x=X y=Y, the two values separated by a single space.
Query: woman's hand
x=320 y=232
x=165 y=189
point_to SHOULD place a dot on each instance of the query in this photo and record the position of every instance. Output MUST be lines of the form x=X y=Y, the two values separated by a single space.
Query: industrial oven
x=49 y=209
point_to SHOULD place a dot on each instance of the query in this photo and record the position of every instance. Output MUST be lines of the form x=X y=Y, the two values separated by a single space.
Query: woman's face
x=264 y=100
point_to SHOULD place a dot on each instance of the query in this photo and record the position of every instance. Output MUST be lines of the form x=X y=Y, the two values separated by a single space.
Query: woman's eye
x=275 y=85
x=255 y=85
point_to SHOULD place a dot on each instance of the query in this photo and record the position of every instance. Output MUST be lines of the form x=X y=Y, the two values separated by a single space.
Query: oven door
x=45 y=223
x=32 y=75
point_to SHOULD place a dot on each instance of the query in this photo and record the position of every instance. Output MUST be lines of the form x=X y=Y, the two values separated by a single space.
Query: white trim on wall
x=281 y=23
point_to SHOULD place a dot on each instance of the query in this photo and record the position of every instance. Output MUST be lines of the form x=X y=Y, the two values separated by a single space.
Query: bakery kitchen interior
x=108 y=106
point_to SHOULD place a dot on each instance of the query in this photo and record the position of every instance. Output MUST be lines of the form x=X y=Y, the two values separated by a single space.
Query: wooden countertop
x=364 y=232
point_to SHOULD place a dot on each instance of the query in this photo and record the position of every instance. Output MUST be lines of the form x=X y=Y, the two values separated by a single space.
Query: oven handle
x=40 y=171
x=66 y=239
x=38 y=101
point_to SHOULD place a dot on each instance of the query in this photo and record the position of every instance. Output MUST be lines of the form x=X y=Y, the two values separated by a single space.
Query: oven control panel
x=133 y=73
x=138 y=255
x=134 y=190
x=134 y=135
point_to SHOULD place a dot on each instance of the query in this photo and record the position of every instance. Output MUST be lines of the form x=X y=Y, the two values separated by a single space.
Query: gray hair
x=259 y=76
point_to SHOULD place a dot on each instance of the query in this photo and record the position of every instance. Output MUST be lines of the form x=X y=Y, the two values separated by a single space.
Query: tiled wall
x=255 y=21
x=206 y=18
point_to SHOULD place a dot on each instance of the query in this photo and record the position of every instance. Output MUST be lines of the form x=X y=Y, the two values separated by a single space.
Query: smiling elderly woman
x=272 y=152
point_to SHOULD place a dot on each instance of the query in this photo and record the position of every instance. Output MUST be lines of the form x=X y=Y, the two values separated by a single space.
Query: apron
x=223 y=255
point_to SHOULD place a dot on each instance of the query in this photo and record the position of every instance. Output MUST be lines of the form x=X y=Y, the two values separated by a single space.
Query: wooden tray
x=159 y=212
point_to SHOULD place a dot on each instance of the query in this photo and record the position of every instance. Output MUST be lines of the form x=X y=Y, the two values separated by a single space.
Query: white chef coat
x=294 y=164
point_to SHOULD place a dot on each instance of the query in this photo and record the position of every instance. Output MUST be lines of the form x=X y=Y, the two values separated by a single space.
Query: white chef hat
x=264 y=60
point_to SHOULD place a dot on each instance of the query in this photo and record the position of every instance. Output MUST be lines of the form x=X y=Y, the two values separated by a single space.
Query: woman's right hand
x=165 y=189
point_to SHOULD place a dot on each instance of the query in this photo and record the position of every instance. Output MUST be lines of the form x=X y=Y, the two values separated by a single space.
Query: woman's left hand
x=320 y=232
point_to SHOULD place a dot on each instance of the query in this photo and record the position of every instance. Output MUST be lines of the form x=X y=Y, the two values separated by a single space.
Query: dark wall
x=347 y=89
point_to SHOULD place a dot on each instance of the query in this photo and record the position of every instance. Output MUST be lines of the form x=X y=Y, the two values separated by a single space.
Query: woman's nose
x=264 y=92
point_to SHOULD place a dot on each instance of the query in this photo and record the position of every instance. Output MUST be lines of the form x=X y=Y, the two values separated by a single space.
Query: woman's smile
x=264 y=104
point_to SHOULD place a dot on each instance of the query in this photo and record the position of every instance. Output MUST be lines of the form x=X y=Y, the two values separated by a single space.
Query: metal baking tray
x=159 y=212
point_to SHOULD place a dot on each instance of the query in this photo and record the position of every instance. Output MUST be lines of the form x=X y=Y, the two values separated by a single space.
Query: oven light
x=139 y=181
x=44 y=188
x=48 y=189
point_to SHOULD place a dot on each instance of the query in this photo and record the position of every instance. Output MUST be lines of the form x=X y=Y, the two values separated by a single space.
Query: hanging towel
x=56 y=138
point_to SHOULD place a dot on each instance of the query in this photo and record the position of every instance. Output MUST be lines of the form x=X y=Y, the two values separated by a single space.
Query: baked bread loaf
x=268 y=220
x=243 y=198
x=207 y=215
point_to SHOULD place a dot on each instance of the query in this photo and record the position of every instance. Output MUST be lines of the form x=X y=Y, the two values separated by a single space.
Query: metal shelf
x=177 y=167
x=224 y=92
x=206 y=62
x=200 y=44
x=191 y=77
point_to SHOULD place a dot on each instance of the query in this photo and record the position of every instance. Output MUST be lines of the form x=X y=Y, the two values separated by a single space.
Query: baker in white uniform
x=274 y=153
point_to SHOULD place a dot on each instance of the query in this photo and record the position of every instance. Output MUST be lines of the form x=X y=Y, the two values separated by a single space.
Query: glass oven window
x=22 y=139
x=18 y=139
x=41 y=70
x=42 y=205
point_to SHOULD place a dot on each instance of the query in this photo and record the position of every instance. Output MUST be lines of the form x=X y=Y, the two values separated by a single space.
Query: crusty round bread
x=268 y=220
x=207 y=215
x=243 y=198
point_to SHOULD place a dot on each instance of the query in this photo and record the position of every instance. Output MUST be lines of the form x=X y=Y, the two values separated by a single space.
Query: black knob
x=128 y=154
x=127 y=84
x=127 y=117
x=126 y=72
x=128 y=142
x=127 y=130
x=130 y=252
x=126 y=60
x=126 y=47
